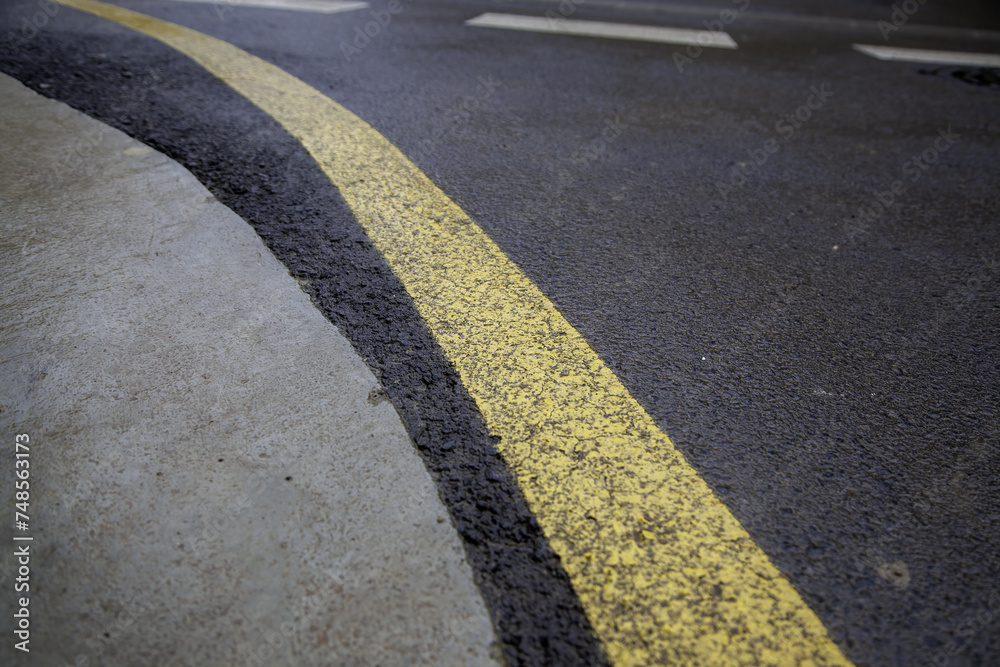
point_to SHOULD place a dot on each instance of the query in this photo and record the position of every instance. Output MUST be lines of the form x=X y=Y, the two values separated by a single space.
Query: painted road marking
x=317 y=6
x=926 y=56
x=745 y=16
x=664 y=571
x=643 y=33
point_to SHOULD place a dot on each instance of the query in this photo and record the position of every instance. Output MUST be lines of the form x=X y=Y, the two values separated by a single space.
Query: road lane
x=564 y=422
x=626 y=231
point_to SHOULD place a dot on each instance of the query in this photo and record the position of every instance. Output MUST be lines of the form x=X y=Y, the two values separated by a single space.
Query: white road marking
x=757 y=16
x=925 y=56
x=644 y=33
x=318 y=6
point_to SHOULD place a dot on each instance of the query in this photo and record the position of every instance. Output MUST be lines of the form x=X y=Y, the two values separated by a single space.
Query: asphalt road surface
x=788 y=252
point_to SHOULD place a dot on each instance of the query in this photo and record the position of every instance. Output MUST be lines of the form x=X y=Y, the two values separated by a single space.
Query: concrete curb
x=216 y=476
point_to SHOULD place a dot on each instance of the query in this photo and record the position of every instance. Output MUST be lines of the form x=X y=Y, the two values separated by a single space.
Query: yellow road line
x=665 y=572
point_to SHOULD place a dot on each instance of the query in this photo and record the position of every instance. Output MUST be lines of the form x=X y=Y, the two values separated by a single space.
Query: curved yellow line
x=665 y=572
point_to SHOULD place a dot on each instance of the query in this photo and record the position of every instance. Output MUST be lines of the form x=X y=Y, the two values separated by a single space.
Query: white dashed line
x=318 y=6
x=926 y=56
x=643 y=33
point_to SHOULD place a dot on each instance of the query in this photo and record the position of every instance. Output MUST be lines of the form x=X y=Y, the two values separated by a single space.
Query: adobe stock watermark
x=101 y=639
x=971 y=626
x=597 y=147
x=84 y=146
x=901 y=13
x=31 y=25
x=372 y=29
x=222 y=520
x=137 y=94
x=956 y=300
x=88 y=141
x=566 y=9
x=785 y=128
x=298 y=619
x=469 y=104
x=946 y=310
x=912 y=171
x=693 y=51
x=223 y=7
x=282 y=463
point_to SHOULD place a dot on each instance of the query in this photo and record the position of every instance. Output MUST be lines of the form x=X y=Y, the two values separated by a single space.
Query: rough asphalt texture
x=842 y=402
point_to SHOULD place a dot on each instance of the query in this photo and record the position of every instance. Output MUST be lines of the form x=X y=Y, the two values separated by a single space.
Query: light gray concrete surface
x=216 y=478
